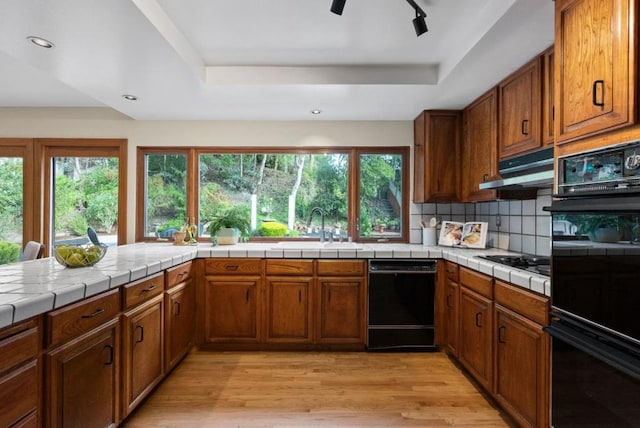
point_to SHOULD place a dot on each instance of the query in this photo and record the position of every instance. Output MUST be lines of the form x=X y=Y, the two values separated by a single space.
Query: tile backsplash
x=519 y=226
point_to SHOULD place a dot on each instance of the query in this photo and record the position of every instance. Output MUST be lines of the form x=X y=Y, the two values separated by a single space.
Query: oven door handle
x=598 y=346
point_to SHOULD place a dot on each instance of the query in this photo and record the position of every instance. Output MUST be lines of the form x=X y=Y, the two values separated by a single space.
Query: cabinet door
x=143 y=351
x=288 y=309
x=475 y=335
x=480 y=141
x=521 y=364
x=179 y=316
x=341 y=310
x=548 y=90
x=452 y=306
x=520 y=110
x=19 y=393
x=232 y=306
x=82 y=380
x=436 y=144
x=596 y=66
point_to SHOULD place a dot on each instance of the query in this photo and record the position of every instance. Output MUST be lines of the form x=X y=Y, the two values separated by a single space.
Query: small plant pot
x=227 y=236
x=605 y=234
x=178 y=238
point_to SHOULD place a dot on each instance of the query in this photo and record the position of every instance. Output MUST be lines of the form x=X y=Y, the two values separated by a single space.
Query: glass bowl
x=74 y=256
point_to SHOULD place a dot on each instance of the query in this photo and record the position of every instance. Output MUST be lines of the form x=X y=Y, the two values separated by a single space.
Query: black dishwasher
x=401 y=305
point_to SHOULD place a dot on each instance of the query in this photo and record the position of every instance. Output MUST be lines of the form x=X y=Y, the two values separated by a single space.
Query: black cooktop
x=531 y=263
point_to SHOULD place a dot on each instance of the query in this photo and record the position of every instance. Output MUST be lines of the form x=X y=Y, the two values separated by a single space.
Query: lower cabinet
x=143 y=352
x=340 y=310
x=288 y=309
x=83 y=380
x=475 y=335
x=179 y=318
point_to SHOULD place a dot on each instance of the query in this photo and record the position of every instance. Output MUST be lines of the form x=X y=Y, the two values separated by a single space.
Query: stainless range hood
x=534 y=169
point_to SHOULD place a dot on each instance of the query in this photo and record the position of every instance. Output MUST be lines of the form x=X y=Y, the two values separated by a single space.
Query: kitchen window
x=361 y=192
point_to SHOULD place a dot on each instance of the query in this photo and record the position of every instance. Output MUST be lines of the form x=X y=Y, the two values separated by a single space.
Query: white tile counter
x=35 y=287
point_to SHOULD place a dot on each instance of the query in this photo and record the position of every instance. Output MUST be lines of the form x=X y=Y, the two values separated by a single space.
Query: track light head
x=420 y=25
x=337 y=6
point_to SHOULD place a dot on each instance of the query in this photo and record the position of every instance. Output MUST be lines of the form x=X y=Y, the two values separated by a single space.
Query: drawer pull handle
x=141 y=339
x=523 y=127
x=594 y=90
x=177 y=306
x=449 y=300
x=98 y=311
x=329 y=296
x=110 y=361
x=299 y=296
x=501 y=330
x=478 y=316
x=149 y=289
x=247 y=296
x=231 y=267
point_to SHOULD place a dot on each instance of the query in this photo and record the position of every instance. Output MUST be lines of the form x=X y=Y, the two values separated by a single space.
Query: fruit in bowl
x=79 y=255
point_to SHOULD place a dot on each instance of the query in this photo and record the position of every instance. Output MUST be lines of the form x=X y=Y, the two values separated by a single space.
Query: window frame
x=193 y=178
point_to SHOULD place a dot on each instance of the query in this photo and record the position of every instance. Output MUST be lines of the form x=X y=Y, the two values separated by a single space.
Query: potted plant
x=229 y=224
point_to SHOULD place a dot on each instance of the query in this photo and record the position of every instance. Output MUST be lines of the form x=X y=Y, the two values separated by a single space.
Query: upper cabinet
x=520 y=108
x=595 y=67
x=436 y=147
x=548 y=107
x=479 y=147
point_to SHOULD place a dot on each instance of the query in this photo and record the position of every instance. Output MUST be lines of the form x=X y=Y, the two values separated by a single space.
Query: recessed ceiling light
x=316 y=111
x=39 y=41
x=130 y=97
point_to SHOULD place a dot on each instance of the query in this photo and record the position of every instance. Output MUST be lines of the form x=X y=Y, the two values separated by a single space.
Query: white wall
x=106 y=123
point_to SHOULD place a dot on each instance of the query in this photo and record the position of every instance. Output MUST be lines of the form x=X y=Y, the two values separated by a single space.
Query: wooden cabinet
x=179 y=314
x=20 y=375
x=476 y=325
x=548 y=90
x=436 y=136
x=341 y=296
x=595 y=66
x=233 y=300
x=143 y=351
x=521 y=360
x=520 y=108
x=452 y=308
x=288 y=303
x=82 y=365
x=479 y=147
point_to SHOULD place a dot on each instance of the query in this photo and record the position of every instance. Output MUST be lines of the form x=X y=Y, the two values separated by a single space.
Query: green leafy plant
x=9 y=252
x=235 y=217
x=273 y=228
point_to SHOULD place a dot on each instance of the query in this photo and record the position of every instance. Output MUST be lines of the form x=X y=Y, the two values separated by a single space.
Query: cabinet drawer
x=477 y=282
x=289 y=267
x=178 y=274
x=233 y=266
x=73 y=320
x=141 y=291
x=18 y=348
x=452 y=271
x=527 y=304
x=341 y=267
x=18 y=394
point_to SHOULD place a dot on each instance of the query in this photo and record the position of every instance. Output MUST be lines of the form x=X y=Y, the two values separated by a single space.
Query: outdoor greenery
x=9 y=252
x=11 y=200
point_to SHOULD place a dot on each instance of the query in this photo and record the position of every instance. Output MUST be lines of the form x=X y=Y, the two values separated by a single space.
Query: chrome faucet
x=313 y=211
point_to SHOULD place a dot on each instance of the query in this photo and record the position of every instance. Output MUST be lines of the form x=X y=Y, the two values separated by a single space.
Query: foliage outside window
x=11 y=198
x=278 y=188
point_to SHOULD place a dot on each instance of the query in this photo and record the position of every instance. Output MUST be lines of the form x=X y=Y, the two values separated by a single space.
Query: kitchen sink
x=316 y=245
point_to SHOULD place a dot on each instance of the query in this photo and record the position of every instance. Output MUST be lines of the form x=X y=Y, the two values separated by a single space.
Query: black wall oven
x=595 y=290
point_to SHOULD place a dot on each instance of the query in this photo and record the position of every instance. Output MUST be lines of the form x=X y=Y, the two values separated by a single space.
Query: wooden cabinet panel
x=480 y=147
x=341 y=267
x=548 y=91
x=527 y=304
x=289 y=267
x=30 y=421
x=289 y=309
x=452 y=309
x=475 y=340
x=18 y=348
x=477 y=282
x=233 y=266
x=83 y=380
x=436 y=142
x=520 y=110
x=140 y=291
x=143 y=351
x=179 y=305
x=596 y=66
x=232 y=308
x=521 y=368
x=178 y=274
x=73 y=320
x=19 y=390
x=341 y=310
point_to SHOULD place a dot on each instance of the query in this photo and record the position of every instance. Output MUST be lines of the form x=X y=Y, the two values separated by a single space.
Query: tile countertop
x=35 y=287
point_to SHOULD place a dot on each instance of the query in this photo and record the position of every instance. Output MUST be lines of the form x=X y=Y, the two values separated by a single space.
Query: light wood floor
x=303 y=389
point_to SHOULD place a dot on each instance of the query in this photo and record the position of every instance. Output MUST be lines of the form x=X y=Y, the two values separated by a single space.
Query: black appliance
x=532 y=169
x=595 y=290
x=401 y=304
x=536 y=264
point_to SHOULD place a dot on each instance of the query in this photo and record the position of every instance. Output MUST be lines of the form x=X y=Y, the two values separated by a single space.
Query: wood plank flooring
x=313 y=389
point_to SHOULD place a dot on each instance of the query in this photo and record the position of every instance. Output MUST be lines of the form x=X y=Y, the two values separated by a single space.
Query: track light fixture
x=337 y=6
x=419 y=23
